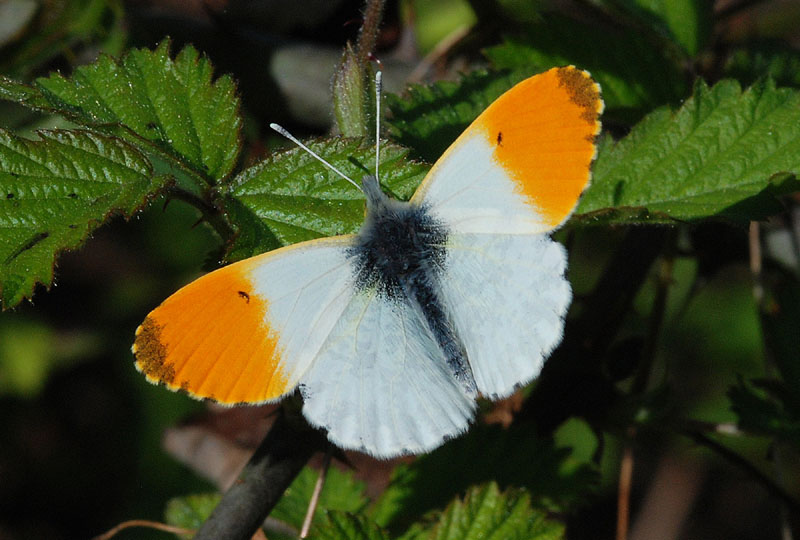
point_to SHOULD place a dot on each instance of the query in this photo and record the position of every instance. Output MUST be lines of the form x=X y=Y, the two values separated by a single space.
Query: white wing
x=471 y=192
x=381 y=385
x=507 y=297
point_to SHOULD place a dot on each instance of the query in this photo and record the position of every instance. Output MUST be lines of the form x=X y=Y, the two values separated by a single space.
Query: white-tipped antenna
x=294 y=139
x=378 y=90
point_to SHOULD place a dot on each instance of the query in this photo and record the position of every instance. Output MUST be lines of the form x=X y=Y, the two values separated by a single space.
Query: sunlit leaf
x=54 y=192
x=725 y=153
x=147 y=97
x=487 y=514
x=297 y=198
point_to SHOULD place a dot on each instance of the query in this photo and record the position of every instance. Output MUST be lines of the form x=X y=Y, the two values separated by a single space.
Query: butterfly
x=393 y=333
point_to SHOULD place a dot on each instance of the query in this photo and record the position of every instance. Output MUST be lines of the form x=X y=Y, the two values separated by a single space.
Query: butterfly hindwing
x=507 y=296
x=381 y=384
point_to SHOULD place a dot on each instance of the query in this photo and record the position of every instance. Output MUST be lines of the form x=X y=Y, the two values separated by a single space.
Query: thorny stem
x=212 y=214
x=373 y=13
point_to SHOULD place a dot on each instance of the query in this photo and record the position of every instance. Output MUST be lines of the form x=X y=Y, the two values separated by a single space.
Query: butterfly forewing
x=247 y=332
x=521 y=166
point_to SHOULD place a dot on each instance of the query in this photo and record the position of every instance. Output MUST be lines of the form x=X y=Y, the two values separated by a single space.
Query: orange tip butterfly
x=391 y=334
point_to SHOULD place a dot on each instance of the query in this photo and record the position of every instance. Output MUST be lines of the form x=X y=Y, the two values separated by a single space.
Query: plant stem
x=373 y=14
x=701 y=438
x=642 y=378
x=210 y=211
x=624 y=492
x=278 y=460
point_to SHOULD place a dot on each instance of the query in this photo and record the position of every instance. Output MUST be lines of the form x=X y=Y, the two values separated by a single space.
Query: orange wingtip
x=211 y=339
x=543 y=131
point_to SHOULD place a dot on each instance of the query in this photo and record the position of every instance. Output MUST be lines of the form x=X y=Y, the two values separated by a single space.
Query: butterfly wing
x=247 y=332
x=380 y=383
x=516 y=173
x=522 y=164
x=507 y=297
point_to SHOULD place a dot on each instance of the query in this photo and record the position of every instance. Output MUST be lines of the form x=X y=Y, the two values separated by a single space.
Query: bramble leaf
x=774 y=60
x=170 y=106
x=340 y=492
x=688 y=22
x=487 y=514
x=343 y=526
x=429 y=118
x=725 y=153
x=632 y=70
x=512 y=457
x=54 y=192
x=765 y=408
x=293 y=197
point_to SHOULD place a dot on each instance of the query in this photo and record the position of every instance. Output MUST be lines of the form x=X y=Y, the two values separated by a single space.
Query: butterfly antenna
x=378 y=91
x=296 y=141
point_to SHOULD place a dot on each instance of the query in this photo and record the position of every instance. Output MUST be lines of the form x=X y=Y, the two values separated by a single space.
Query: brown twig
x=624 y=493
x=373 y=14
x=701 y=438
x=312 y=504
x=142 y=523
x=642 y=378
x=285 y=450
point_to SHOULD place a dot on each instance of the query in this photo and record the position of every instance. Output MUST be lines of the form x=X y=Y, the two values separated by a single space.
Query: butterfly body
x=401 y=252
x=392 y=333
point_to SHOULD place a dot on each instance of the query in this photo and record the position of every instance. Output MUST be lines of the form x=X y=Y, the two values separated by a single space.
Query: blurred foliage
x=682 y=342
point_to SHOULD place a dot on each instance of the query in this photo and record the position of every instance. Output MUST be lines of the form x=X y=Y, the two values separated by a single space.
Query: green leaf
x=342 y=526
x=172 y=105
x=632 y=69
x=22 y=93
x=512 y=457
x=488 y=514
x=429 y=118
x=190 y=511
x=761 y=408
x=341 y=492
x=296 y=198
x=60 y=27
x=688 y=22
x=57 y=190
x=725 y=153
x=774 y=60
x=32 y=351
